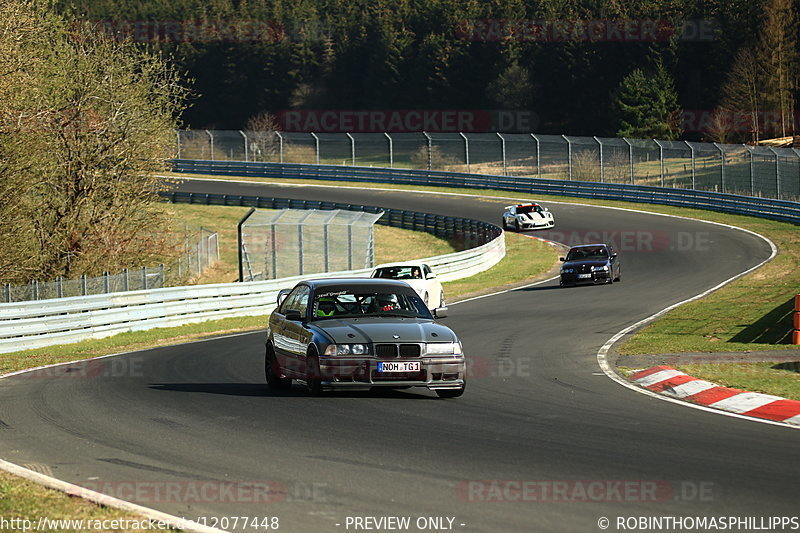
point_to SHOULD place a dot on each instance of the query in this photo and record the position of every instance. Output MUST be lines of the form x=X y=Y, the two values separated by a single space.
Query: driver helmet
x=387 y=302
x=326 y=306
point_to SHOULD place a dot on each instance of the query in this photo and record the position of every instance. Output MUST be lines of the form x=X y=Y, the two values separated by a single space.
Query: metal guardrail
x=41 y=323
x=783 y=210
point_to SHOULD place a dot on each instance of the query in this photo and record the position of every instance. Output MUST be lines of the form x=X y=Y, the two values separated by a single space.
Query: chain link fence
x=732 y=168
x=198 y=255
x=294 y=242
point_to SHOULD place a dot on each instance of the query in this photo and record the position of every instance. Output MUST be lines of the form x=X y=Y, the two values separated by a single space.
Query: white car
x=419 y=276
x=527 y=216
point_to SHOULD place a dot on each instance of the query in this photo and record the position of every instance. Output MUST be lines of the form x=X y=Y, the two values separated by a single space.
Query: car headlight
x=346 y=349
x=600 y=268
x=567 y=270
x=443 y=348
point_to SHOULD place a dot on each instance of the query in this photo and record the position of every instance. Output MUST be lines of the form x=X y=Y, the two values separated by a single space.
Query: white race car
x=527 y=216
x=419 y=276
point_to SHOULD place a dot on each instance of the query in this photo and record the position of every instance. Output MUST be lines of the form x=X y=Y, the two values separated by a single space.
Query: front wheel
x=272 y=370
x=451 y=393
x=517 y=226
x=313 y=375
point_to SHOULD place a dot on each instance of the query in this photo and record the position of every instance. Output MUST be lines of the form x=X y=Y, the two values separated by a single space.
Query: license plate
x=399 y=366
x=584 y=276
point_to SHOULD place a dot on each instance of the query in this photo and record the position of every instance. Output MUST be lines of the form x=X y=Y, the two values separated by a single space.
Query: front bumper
x=440 y=372
x=597 y=277
x=536 y=224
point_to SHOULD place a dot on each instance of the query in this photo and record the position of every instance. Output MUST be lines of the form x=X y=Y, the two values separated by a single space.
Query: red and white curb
x=674 y=383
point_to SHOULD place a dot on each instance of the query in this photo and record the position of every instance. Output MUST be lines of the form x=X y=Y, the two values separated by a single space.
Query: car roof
x=355 y=283
x=590 y=245
x=401 y=264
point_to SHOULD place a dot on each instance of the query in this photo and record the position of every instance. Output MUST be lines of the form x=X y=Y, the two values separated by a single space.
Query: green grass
x=27 y=500
x=770 y=378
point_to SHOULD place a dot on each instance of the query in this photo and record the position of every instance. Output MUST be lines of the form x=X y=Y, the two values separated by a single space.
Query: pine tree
x=647 y=105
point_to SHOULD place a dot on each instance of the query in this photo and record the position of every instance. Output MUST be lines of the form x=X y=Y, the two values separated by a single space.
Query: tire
x=619 y=275
x=313 y=379
x=503 y=224
x=272 y=371
x=451 y=393
x=516 y=226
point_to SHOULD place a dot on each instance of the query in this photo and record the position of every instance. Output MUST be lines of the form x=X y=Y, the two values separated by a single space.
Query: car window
x=578 y=254
x=297 y=300
x=339 y=303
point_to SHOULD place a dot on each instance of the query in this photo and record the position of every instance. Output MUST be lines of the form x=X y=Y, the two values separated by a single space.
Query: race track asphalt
x=540 y=441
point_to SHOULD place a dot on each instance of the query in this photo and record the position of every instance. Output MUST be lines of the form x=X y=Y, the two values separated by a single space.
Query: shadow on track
x=297 y=391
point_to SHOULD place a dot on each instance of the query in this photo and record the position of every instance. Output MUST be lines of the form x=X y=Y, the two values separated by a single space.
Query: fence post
x=35 y=289
x=246 y=159
x=538 y=159
x=661 y=158
x=7 y=292
x=503 y=150
x=694 y=168
x=316 y=144
x=106 y=284
x=722 y=167
x=352 y=148
x=59 y=287
x=126 y=282
x=569 y=156
x=466 y=150
x=350 y=246
x=211 y=136
x=630 y=156
x=391 y=150
x=280 y=144
x=430 y=150
x=602 y=167
x=777 y=173
x=240 y=243
x=83 y=285
x=178 y=135
x=161 y=274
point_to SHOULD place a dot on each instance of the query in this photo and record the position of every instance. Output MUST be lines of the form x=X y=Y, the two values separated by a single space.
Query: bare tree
x=741 y=92
x=778 y=57
x=264 y=142
x=90 y=126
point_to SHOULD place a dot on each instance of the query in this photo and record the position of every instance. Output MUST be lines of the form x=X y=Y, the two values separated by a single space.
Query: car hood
x=385 y=329
x=587 y=262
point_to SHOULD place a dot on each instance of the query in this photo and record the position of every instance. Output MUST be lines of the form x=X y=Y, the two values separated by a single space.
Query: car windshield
x=398 y=272
x=525 y=209
x=360 y=303
x=578 y=254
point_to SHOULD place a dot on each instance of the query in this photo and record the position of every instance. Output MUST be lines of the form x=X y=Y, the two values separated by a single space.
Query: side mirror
x=614 y=254
x=294 y=315
x=561 y=259
x=440 y=312
x=282 y=295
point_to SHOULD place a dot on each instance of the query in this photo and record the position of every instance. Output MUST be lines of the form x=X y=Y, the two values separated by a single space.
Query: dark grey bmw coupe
x=591 y=263
x=360 y=333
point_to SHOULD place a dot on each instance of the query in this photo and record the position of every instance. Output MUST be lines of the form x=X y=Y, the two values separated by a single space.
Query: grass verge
x=779 y=379
x=27 y=500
